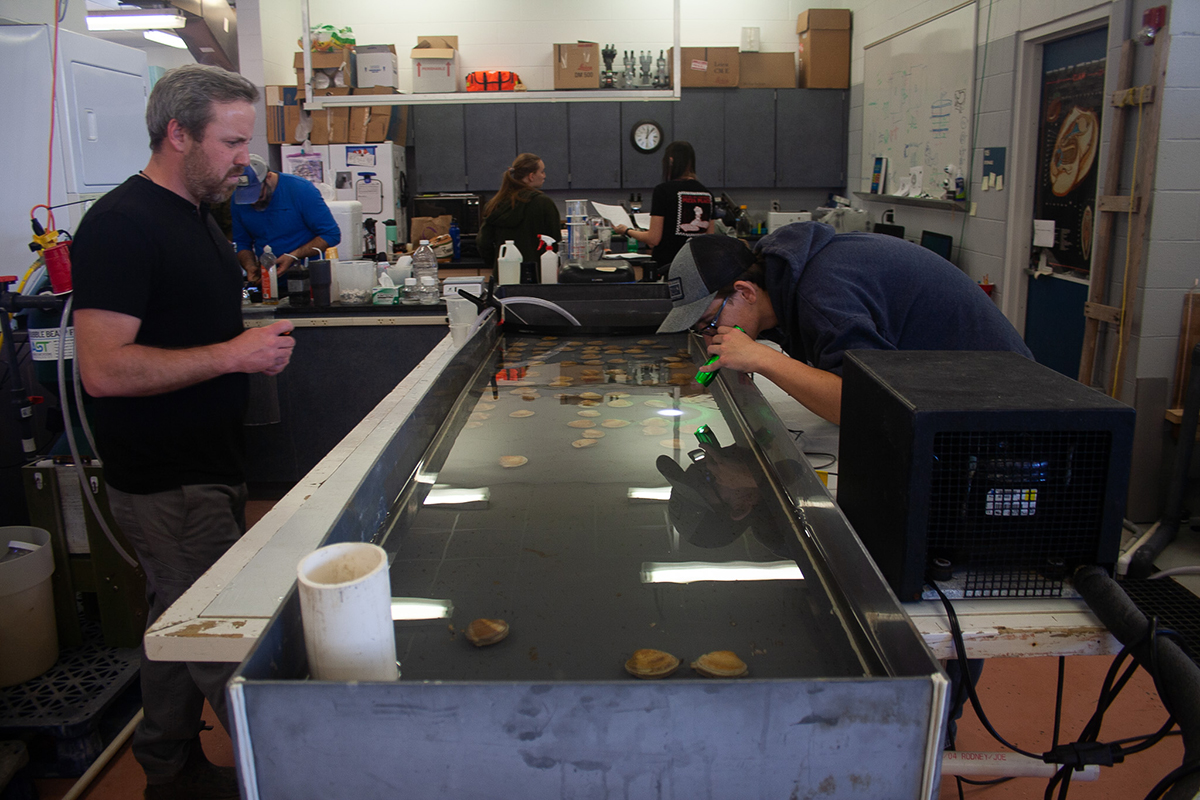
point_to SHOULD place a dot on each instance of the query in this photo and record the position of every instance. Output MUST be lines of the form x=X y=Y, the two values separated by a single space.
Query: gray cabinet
x=440 y=147
x=542 y=130
x=750 y=138
x=643 y=171
x=810 y=138
x=491 y=143
x=699 y=118
x=594 y=134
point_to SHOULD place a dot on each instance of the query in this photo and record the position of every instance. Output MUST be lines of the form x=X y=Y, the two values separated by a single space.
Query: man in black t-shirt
x=163 y=352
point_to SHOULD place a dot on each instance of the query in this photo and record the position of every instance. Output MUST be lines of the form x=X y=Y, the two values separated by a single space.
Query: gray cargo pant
x=177 y=535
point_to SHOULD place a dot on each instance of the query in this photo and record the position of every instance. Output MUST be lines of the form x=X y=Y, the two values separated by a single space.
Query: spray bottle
x=548 y=259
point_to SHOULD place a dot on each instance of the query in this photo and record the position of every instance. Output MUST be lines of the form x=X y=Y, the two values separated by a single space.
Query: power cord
x=1085 y=750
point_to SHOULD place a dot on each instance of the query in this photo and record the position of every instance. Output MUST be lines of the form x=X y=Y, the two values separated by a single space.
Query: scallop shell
x=593 y=434
x=473 y=424
x=579 y=443
x=614 y=423
x=508 y=462
x=522 y=413
x=588 y=403
x=671 y=444
x=581 y=423
x=651 y=664
x=657 y=403
x=720 y=664
x=619 y=404
x=483 y=406
x=483 y=632
x=588 y=412
x=591 y=396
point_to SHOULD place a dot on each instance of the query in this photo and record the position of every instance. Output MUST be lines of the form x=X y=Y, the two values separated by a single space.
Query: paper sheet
x=1043 y=233
x=615 y=215
x=642 y=220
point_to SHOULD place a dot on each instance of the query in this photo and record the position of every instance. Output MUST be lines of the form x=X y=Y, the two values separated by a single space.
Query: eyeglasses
x=711 y=328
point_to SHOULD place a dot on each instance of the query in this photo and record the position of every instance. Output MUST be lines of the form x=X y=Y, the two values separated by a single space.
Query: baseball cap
x=702 y=266
x=249 y=185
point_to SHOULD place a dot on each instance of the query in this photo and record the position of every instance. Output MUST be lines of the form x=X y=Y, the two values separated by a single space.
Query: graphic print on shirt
x=695 y=208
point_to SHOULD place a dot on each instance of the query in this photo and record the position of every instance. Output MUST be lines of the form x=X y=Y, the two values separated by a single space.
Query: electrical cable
x=1058 y=700
x=85 y=489
x=832 y=459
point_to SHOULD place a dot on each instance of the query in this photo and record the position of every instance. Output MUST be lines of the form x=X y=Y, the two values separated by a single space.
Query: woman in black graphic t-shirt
x=681 y=207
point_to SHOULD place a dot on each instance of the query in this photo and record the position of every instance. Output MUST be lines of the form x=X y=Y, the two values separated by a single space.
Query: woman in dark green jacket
x=519 y=212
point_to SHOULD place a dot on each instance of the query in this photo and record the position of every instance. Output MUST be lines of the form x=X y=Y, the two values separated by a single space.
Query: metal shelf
x=440 y=99
x=920 y=202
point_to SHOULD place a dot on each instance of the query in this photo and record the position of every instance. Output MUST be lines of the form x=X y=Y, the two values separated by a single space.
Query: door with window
x=1069 y=128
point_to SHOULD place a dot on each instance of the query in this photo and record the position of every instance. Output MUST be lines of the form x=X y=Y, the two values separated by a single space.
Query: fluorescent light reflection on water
x=649 y=493
x=417 y=608
x=694 y=571
x=450 y=495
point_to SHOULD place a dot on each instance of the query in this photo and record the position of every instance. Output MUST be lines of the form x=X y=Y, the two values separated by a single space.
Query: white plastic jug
x=509 y=263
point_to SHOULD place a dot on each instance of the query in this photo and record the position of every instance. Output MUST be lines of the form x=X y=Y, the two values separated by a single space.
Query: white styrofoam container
x=777 y=219
x=378 y=65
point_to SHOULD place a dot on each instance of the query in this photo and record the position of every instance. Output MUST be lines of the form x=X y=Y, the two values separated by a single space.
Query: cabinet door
x=542 y=130
x=643 y=171
x=810 y=138
x=440 y=145
x=750 y=138
x=594 y=133
x=699 y=118
x=491 y=143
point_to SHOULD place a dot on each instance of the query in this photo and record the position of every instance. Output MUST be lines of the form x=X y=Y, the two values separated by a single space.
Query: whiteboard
x=918 y=91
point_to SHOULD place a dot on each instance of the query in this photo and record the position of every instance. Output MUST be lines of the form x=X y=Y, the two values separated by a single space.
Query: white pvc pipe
x=102 y=760
x=346 y=611
x=1006 y=765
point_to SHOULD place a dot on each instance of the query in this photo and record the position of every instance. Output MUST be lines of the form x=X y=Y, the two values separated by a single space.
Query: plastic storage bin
x=28 y=633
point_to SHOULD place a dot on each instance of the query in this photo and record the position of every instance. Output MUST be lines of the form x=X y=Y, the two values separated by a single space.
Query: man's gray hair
x=186 y=94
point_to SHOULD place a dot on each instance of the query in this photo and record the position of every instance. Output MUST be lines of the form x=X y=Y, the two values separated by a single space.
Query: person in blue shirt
x=283 y=211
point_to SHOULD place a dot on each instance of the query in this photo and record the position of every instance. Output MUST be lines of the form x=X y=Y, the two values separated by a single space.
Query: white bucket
x=346 y=611
x=28 y=634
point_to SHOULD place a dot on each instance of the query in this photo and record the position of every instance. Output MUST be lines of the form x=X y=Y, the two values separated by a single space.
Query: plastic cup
x=460 y=310
x=459 y=333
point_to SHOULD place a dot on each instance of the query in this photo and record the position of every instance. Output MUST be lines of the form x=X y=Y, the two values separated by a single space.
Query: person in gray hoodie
x=818 y=294
x=519 y=211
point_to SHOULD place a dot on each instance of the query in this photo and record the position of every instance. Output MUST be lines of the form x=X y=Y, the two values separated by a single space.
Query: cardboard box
x=824 y=48
x=377 y=65
x=435 y=64
x=283 y=114
x=577 y=65
x=337 y=65
x=707 y=66
x=378 y=123
x=767 y=71
x=330 y=125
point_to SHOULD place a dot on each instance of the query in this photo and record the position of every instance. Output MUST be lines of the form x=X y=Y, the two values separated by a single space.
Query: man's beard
x=201 y=182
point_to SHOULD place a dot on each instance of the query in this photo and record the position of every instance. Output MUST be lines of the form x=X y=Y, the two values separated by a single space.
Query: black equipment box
x=597 y=272
x=1002 y=467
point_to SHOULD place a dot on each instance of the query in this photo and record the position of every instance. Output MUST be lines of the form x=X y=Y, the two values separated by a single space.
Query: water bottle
x=409 y=297
x=428 y=294
x=270 y=281
x=424 y=264
x=509 y=263
x=454 y=236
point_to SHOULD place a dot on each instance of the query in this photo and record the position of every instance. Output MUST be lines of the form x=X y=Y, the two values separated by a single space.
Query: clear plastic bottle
x=270 y=281
x=424 y=263
x=427 y=291
x=409 y=296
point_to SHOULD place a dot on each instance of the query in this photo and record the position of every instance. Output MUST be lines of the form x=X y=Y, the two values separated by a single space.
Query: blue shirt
x=295 y=215
x=864 y=291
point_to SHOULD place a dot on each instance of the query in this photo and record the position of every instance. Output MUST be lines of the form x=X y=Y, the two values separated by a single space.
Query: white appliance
x=372 y=174
x=100 y=134
x=777 y=219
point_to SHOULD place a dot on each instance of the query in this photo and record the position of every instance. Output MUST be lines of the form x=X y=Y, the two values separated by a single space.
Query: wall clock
x=646 y=135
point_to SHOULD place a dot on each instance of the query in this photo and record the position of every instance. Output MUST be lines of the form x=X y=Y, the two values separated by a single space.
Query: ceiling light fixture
x=139 y=19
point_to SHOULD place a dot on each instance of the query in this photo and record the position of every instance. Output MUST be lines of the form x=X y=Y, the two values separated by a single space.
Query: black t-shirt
x=686 y=208
x=144 y=251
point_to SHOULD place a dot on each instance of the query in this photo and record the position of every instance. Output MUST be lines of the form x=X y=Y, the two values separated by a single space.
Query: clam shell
x=521 y=413
x=580 y=443
x=591 y=396
x=588 y=412
x=614 y=423
x=720 y=664
x=483 y=632
x=508 y=462
x=581 y=423
x=593 y=434
x=651 y=664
